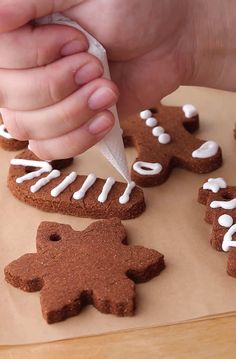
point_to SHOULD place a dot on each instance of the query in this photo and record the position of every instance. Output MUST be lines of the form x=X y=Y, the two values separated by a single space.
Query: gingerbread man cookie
x=220 y=200
x=74 y=268
x=42 y=185
x=164 y=140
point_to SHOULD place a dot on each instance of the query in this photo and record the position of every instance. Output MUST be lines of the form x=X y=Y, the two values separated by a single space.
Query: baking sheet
x=194 y=283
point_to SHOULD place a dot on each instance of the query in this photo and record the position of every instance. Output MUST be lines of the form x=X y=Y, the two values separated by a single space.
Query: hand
x=51 y=90
x=153 y=47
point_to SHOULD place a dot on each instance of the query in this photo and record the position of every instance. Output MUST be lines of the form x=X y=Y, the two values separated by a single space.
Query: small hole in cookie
x=54 y=237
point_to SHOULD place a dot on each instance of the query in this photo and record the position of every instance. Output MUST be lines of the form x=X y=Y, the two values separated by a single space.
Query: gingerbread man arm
x=25 y=273
x=141 y=263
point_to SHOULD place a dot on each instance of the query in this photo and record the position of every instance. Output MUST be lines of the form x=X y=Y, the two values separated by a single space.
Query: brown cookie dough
x=164 y=140
x=74 y=268
x=220 y=202
x=120 y=202
x=7 y=142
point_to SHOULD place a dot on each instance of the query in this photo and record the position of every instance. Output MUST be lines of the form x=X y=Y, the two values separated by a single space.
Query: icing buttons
x=157 y=131
x=225 y=220
x=164 y=138
x=151 y=122
x=144 y=115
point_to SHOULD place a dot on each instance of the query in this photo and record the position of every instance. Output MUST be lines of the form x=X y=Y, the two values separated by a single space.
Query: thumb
x=15 y=13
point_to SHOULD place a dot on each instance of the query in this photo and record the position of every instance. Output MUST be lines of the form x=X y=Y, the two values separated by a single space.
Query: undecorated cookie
x=164 y=140
x=43 y=186
x=220 y=202
x=74 y=268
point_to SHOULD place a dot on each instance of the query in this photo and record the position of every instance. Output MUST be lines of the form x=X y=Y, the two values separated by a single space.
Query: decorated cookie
x=7 y=142
x=164 y=140
x=42 y=185
x=220 y=200
x=74 y=268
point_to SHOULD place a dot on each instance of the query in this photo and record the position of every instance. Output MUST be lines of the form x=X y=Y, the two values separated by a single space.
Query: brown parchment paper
x=194 y=283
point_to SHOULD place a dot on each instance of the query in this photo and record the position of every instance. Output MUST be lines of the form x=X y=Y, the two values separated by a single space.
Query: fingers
x=42 y=45
x=40 y=87
x=15 y=13
x=63 y=117
x=75 y=142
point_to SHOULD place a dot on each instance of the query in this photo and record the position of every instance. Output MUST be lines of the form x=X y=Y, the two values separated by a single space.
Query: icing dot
x=151 y=122
x=164 y=138
x=225 y=220
x=145 y=114
x=190 y=111
x=157 y=131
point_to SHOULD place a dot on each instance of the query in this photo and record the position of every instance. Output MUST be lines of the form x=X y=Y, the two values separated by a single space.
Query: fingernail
x=100 y=124
x=73 y=47
x=104 y=97
x=88 y=73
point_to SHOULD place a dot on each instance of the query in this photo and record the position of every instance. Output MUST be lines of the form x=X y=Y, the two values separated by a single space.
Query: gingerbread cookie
x=220 y=200
x=74 y=268
x=164 y=140
x=42 y=185
x=7 y=142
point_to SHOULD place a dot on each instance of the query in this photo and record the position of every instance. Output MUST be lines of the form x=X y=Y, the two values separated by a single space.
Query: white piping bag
x=111 y=147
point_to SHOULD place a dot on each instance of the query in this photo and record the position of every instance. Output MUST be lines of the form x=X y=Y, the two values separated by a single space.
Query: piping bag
x=112 y=146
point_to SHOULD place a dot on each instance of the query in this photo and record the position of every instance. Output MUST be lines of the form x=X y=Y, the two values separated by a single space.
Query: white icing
x=145 y=114
x=215 y=184
x=151 y=122
x=190 y=111
x=31 y=175
x=231 y=204
x=164 y=138
x=44 y=167
x=157 y=131
x=31 y=163
x=225 y=220
x=228 y=239
x=43 y=181
x=206 y=150
x=64 y=184
x=90 y=180
x=4 y=133
x=106 y=189
x=126 y=195
x=147 y=168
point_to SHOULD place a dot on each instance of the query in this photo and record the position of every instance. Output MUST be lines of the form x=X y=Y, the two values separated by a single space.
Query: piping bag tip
x=112 y=146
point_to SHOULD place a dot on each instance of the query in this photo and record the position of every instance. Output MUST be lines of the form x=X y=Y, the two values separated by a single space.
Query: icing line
x=90 y=180
x=64 y=184
x=43 y=181
x=231 y=204
x=126 y=195
x=106 y=189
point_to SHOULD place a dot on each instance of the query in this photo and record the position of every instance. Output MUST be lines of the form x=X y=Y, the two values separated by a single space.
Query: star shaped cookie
x=74 y=268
